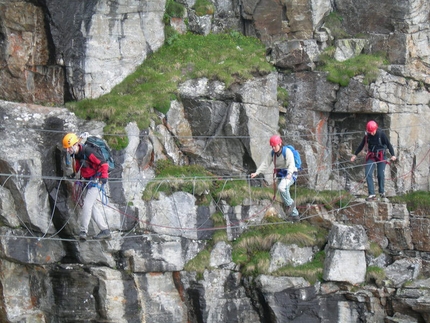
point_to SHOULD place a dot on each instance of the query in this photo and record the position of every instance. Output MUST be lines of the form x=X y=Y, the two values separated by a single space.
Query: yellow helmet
x=70 y=140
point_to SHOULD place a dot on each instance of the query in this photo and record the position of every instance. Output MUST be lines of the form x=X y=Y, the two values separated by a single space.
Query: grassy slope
x=154 y=84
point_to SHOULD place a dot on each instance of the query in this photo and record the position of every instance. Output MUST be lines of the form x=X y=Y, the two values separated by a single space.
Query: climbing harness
x=77 y=193
x=103 y=196
x=377 y=156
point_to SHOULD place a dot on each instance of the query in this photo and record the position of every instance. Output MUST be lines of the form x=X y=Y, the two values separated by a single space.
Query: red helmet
x=275 y=140
x=371 y=126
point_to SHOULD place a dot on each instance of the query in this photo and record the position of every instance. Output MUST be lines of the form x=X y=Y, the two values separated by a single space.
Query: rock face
x=52 y=51
x=250 y=109
x=26 y=72
x=139 y=274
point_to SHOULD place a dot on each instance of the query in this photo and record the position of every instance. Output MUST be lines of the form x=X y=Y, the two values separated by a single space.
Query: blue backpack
x=297 y=159
x=103 y=147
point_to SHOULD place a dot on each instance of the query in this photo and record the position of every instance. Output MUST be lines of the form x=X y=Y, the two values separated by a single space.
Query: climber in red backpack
x=377 y=143
x=285 y=171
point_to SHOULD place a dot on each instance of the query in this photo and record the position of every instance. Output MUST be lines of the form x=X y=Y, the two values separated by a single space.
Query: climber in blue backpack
x=285 y=171
x=92 y=166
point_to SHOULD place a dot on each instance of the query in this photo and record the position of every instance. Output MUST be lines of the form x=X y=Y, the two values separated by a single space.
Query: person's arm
x=104 y=170
x=386 y=141
x=359 y=148
x=264 y=165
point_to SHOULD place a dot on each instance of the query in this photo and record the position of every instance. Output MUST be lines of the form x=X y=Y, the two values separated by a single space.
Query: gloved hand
x=103 y=180
x=71 y=176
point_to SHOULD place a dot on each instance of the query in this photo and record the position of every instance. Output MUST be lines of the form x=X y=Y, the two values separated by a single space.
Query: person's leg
x=369 y=168
x=98 y=217
x=89 y=201
x=284 y=189
x=380 y=169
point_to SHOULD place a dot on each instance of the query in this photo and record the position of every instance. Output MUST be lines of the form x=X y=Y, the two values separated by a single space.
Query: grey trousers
x=91 y=207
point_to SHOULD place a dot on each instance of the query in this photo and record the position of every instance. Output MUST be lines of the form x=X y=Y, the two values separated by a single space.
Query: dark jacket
x=91 y=163
x=375 y=143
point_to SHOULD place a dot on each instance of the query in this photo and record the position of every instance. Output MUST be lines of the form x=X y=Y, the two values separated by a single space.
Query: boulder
x=345 y=254
x=281 y=255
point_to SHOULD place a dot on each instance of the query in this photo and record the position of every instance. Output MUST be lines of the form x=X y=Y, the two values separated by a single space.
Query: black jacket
x=377 y=142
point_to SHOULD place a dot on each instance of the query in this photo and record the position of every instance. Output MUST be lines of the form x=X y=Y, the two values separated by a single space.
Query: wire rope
x=77 y=195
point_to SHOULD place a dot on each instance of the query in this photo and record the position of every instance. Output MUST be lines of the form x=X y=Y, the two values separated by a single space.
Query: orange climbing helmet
x=275 y=140
x=371 y=126
x=70 y=140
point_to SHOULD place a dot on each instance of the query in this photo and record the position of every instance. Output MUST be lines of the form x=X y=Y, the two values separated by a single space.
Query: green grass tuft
x=199 y=263
x=258 y=263
x=172 y=178
x=375 y=274
x=342 y=72
x=219 y=235
x=252 y=249
x=282 y=97
x=218 y=219
x=418 y=201
x=311 y=271
x=330 y=199
x=173 y=10
x=203 y=7
x=375 y=249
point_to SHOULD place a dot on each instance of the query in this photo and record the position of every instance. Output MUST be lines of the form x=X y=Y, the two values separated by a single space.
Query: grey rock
x=348 y=48
x=403 y=270
x=281 y=255
x=346 y=237
x=220 y=255
x=345 y=266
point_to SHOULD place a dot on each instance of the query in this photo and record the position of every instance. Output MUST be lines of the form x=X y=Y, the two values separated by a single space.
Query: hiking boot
x=371 y=197
x=104 y=234
x=82 y=236
x=290 y=208
x=382 y=195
